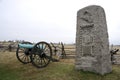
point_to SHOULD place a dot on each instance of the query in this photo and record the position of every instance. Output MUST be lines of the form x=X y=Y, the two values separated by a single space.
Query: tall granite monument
x=92 y=45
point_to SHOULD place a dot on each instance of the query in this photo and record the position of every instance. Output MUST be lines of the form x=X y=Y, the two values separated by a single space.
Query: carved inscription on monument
x=87 y=39
x=87 y=20
x=87 y=45
x=87 y=50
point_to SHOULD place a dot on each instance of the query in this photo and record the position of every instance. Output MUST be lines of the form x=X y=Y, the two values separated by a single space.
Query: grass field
x=12 y=69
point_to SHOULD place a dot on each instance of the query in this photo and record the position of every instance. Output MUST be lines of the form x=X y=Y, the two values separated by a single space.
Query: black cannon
x=39 y=54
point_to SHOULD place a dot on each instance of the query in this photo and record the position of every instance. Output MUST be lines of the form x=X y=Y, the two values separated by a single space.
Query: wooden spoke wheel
x=23 y=54
x=41 y=54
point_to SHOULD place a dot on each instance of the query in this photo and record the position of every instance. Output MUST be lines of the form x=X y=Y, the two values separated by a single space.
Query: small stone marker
x=92 y=45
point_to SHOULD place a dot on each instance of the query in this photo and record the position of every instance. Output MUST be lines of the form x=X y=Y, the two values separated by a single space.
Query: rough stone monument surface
x=92 y=45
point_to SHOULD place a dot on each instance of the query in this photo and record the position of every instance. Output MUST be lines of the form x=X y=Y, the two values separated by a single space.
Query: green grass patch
x=8 y=74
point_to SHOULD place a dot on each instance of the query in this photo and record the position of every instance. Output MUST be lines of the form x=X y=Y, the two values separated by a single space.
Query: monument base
x=93 y=64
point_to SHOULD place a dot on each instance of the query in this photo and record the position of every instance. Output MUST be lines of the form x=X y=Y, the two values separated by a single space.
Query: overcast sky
x=51 y=20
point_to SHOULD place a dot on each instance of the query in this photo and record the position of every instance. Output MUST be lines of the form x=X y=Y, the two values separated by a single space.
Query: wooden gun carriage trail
x=39 y=54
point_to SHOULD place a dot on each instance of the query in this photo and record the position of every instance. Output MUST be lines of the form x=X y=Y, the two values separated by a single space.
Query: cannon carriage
x=39 y=54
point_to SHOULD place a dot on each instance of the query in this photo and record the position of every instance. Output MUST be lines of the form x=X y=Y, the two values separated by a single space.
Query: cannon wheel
x=23 y=54
x=41 y=54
